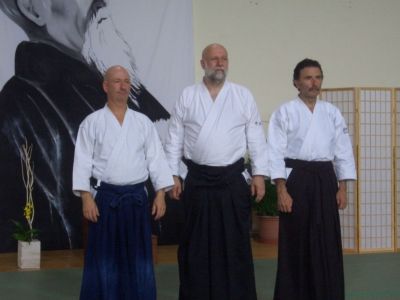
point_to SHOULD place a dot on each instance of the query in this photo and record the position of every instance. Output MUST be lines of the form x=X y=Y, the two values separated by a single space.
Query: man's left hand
x=341 y=195
x=159 y=207
x=258 y=187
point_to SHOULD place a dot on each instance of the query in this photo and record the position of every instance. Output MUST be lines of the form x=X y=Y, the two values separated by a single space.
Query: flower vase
x=29 y=254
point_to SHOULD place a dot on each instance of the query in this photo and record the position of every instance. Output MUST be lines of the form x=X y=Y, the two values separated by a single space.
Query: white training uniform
x=295 y=132
x=120 y=155
x=216 y=133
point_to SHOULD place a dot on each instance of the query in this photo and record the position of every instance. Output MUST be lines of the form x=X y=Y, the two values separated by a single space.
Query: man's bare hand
x=258 y=187
x=89 y=207
x=176 y=191
x=159 y=207
x=341 y=195
x=285 y=202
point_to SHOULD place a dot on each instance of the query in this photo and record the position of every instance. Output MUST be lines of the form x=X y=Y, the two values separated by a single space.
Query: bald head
x=12 y=9
x=117 y=84
x=215 y=64
x=210 y=49
x=112 y=70
x=60 y=23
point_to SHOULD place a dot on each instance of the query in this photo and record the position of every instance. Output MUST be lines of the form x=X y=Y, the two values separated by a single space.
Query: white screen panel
x=344 y=99
x=376 y=169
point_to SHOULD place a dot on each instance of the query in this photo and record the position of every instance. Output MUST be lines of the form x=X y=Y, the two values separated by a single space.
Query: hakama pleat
x=118 y=259
x=310 y=260
x=215 y=259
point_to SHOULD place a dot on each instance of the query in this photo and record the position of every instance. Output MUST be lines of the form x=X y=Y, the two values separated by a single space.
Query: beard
x=214 y=76
x=101 y=39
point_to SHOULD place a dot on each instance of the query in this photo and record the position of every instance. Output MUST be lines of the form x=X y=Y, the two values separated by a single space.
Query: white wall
x=357 y=43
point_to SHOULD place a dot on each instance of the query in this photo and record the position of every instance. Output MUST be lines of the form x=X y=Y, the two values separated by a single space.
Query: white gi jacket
x=120 y=155
x=295 y=132
x=216 y=133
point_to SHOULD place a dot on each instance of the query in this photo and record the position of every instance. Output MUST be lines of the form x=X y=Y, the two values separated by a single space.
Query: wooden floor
x=64 y=259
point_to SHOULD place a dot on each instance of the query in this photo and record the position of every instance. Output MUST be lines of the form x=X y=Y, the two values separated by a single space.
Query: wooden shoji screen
x=376 y=170
x=375 y=199
x=344 y=99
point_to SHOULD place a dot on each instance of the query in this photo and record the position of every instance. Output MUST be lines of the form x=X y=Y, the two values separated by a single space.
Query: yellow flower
x=28 y=210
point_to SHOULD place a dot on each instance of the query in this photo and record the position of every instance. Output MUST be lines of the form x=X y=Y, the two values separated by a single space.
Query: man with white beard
x=212 y=125
x=57 y=83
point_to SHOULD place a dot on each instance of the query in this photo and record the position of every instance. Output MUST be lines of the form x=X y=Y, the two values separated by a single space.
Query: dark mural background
x=52 y=61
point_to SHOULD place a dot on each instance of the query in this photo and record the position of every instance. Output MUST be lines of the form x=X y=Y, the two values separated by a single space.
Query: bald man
x=211 y=126
x=117 y=149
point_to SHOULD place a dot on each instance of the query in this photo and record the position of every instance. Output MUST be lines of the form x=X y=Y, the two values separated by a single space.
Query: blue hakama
x=118 y=259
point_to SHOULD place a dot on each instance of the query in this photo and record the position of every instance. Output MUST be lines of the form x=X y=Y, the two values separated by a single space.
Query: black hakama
x=215 y=259
x=310 y=260
x=118 y=259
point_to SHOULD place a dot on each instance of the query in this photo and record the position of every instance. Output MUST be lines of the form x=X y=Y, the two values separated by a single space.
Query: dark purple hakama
x=310 y=260
x=215 y=258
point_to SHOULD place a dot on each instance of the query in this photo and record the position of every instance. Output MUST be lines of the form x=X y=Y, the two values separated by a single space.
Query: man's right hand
x=284 y=200
x=89 y=207
x=175 y=192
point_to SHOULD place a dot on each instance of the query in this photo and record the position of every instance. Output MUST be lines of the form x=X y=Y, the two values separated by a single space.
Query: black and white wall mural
x=53 y=54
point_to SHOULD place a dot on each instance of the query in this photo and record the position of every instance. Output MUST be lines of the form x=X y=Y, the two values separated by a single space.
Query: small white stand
x=29 y=254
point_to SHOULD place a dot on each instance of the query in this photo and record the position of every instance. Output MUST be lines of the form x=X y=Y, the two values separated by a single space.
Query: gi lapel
x=313 y=129
x=209 y=123
x=119 y=144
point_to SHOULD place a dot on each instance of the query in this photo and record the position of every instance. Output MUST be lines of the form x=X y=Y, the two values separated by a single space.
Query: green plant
x=23 y=233
x=268 y=205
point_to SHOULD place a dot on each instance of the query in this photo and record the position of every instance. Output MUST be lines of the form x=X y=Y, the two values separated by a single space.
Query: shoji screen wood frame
x=396 y=152
x=375 y=143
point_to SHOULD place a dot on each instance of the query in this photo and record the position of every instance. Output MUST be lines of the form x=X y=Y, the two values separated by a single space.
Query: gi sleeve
x=175 y=137
x=277 y=144
x=83 y=160
x=343 y=153
x=157 y=164
x=256 y=142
